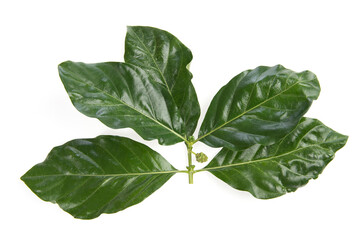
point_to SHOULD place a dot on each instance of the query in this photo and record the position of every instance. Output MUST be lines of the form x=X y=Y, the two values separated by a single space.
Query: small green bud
x=191 y=139
x=191 y=168
x=201 y=157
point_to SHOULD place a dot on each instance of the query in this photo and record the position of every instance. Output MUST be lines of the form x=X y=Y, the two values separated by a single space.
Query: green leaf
x=271 y=171
x=258 y=106
x=122 y=95
x=165 y=58
x=87 y=177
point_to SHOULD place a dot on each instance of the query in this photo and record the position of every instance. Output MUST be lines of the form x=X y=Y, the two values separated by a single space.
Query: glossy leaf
x=87 y=177
x=122 y=95
x=271 y=171
x=165 y=58
x=258 y=106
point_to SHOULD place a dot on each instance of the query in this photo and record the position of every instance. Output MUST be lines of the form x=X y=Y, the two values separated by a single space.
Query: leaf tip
x=63 y=65
x=131 y=29
x=344 y=139
x=22 y=178
x=279 y=66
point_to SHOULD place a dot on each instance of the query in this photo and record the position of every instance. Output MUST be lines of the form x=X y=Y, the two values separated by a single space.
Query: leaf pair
x=151 y=92
x=269 y=148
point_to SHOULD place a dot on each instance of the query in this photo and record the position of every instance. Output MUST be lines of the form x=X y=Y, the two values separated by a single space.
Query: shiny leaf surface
x=122 y=95
x=258 y=106
x=165 y=58
x=87 y=177
x=271 y=171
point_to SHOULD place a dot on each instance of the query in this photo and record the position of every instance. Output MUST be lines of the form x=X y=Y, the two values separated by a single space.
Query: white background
x=226 y=37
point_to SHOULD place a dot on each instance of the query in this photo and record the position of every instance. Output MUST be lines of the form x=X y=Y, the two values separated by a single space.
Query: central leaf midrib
x=257 y=160
x=105 y=175
x=242 y=114
x=119 y=100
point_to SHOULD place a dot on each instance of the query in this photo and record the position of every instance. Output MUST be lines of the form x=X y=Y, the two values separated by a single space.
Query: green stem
x=191 y=166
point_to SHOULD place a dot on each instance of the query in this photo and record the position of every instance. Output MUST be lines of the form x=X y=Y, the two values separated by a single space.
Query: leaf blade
x=87 y=177
x=258 y=106
x=122 y=95
x=271 y=171
x=163 y=56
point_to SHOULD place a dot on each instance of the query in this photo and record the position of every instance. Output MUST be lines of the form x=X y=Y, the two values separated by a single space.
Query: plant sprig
x=268 y=147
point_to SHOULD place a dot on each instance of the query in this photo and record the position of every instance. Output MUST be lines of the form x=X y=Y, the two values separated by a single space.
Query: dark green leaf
x=258 y=106
x=165 y=58
x=123 y=95
x=271 y=171
x=87 y=177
